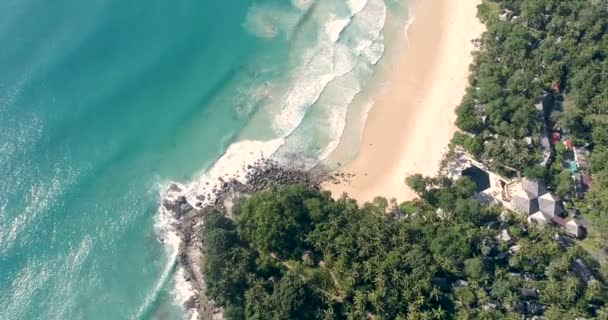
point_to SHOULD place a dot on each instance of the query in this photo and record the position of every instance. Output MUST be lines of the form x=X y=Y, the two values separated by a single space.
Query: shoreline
x=412 y=120
x=185 y=213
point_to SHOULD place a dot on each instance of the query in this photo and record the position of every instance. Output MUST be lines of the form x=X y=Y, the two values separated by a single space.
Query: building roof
x=574 y=228
x=550 y=205
x=559 y=221
x=525 y=204
x=540 y=218
x=587 y=181
x=534 y=188
x=504 y=236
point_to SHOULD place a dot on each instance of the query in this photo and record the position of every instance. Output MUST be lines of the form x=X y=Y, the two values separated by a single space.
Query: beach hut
x=550 y=205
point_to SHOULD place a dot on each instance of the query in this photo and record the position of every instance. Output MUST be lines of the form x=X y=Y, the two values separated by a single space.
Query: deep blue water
x=103 y=102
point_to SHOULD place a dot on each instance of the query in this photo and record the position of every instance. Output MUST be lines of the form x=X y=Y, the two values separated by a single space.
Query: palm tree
x=328 y=314
x=572 y=288
x=439 y=314
x=435 y=294
x=602 y=314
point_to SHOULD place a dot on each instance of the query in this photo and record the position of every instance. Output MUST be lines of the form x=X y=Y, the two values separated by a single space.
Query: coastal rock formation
x=189 y=211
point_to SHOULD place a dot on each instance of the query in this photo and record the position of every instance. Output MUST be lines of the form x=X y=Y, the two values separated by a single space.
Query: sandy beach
x=412 y=121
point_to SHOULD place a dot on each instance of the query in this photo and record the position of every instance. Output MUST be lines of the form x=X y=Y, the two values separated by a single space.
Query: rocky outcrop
x=224 y=193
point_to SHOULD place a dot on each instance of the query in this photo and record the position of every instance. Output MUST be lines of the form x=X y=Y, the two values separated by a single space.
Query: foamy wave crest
x=165 y=226
x=356 y=6
x=183 y=291
x=231 y=165
x=328 y=82
x=326 y=74
x=329 y=59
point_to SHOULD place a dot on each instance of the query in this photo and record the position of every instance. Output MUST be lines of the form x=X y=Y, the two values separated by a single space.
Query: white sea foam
x=327 y=72
x=164 y=226
x=334 y=26
x=356 y=6
x=182 y=291
x=231 y=165
x=332 y=77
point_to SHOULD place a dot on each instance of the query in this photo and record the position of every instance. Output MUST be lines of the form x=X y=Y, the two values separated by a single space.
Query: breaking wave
x=303 y=114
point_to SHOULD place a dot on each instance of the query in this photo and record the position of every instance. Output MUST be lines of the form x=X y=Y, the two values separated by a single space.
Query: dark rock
x=169 y=205
x=190 y=304
x=174 y=188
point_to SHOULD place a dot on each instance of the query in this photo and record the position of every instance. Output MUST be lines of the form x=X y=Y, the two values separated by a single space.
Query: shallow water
x=103 y=102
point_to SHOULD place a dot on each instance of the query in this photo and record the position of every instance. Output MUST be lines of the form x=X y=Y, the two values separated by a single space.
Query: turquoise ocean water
x=104 y=102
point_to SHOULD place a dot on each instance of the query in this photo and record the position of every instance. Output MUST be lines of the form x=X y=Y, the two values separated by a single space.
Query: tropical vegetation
x=532 y=48
x=295 y=253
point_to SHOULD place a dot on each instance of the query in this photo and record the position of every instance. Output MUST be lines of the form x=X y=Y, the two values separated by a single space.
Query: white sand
x=412 y=122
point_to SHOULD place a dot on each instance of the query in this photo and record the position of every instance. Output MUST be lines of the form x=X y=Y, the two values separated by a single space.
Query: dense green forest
x=531 y=48
x=295 y=253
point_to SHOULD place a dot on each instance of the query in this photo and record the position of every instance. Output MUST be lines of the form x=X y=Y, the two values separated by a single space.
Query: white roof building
x=549 y=204
x=540 y=218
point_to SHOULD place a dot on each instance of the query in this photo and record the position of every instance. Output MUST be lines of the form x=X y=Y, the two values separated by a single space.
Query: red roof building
x=559 y=221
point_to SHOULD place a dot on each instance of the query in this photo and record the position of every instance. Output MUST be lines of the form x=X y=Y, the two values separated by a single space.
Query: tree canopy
x=552 y=48
x=295 y=253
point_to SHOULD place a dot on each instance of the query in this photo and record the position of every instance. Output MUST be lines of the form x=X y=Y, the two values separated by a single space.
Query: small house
x=515 y=248
x=575 y=228
x=539 y=218
x=505 y=237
